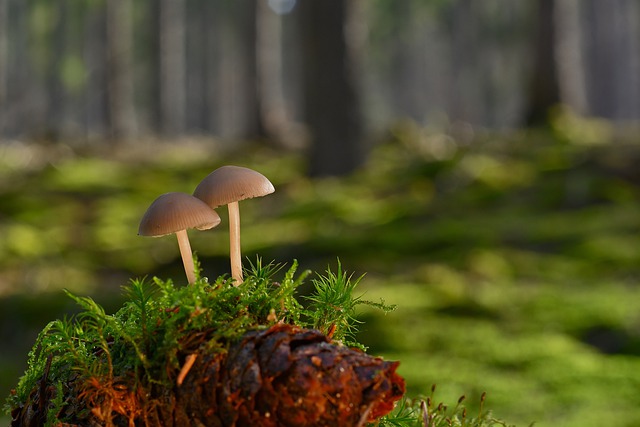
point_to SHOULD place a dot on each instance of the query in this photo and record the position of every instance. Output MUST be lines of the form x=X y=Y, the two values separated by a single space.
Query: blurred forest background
x=477 y=159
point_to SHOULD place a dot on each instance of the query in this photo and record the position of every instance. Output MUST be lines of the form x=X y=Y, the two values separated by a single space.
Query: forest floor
x=514 y=259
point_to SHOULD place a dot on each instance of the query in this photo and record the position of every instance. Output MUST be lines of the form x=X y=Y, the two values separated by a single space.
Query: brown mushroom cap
x=172 y=212
x=229 y=184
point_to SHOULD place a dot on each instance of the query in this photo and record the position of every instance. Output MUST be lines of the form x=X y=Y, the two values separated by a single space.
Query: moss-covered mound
x=210 y=354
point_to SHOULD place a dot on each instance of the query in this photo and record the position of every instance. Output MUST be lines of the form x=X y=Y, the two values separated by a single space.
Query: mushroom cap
x=231 y=184
x=173 y=212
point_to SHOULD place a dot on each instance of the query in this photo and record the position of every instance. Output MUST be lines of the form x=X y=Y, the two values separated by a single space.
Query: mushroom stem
x=187 y=256
x=234 y=242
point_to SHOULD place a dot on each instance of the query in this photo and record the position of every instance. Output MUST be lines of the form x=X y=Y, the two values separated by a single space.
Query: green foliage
x=424 y=412
x=56 y=405
x=332 y=307
x=158 y=321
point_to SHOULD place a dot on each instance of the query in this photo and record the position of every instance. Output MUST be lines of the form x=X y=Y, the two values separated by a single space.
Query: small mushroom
x=175 y=213
x=228 y=185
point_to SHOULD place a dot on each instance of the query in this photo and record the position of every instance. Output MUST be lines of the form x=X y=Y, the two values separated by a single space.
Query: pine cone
x=281 y=376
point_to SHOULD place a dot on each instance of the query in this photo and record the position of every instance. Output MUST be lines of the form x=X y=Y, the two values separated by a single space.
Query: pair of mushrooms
x=177 y=212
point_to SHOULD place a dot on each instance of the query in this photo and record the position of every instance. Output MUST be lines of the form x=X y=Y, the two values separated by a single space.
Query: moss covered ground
x=513 y=258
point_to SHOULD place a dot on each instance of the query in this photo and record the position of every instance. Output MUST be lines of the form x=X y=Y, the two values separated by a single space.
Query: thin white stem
x=187 y=256
x=234 y=242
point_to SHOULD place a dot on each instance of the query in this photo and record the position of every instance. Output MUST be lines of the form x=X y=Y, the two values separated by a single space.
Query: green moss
x=159 y=321
x=151 y=327
x=426 y=411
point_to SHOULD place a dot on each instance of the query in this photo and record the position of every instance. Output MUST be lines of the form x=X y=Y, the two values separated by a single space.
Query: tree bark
x=331 y=45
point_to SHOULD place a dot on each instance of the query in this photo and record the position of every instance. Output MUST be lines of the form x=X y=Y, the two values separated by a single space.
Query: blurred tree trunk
x=612 y=73
x=248 y=34
x=212 y=22
x=228 y=106
x=4 y=70
x=466 y=90
x=21 y=113
x=203 y=56
x=331 y=44
x=96 y=105
x=121 y=111
x=172 y=73
x=196 y=57
x=55 y=101
x=570 y=55
x=630 y=89
x=407 y=68
x=269 y=42
x=544 y=91
x=627 y=72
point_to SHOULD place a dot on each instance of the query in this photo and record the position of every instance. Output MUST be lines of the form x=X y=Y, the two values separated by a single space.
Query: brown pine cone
x=287 y=376
x=281 y=376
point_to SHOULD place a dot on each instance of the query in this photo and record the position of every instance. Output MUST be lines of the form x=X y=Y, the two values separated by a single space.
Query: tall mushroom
x=228 y=185
x=175 y=213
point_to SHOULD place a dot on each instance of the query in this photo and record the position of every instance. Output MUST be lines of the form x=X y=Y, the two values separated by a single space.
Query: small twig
x=188 y=363
x=365 y=416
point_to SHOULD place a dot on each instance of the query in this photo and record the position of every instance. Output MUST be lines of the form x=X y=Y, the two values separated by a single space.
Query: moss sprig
x=428 y=412
x=333 y=306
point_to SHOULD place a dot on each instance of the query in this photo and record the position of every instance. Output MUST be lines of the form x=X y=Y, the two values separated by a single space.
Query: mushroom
x=175 y=213
x=228 y=185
